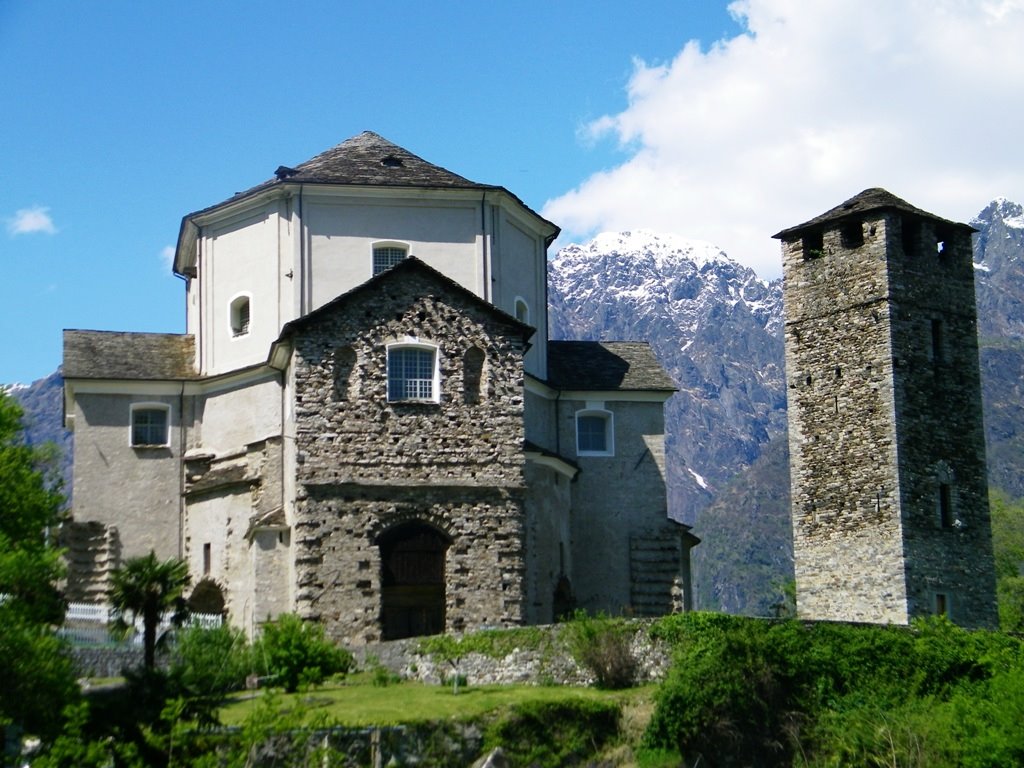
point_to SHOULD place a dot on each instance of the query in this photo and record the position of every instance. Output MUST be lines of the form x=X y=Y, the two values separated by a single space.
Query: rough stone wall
x=366 y=464
x=941 y=436
x=864 y=436
x=847 y=532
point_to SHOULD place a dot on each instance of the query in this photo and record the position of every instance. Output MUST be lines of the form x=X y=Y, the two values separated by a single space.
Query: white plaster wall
x=137 y=490
x=236 y=417
x=221 y=520
x=446 y=234
x=520 y=269
x=269 y=552
x=238 y=257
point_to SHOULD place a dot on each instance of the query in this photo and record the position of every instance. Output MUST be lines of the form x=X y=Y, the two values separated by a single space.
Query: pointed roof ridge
x=871 y=199
x=408 y=264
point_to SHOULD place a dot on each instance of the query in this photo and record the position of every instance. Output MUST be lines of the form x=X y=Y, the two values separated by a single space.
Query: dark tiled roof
x=872 y=199
x=605 y=365
x=119 y=355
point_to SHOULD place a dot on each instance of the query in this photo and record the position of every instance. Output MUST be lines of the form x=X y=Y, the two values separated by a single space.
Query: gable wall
x=366 y=465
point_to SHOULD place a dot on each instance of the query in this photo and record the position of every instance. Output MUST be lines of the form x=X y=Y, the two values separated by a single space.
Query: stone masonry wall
x=941 y=437
x=884 y=404
x=367 y=464
x=847 y=530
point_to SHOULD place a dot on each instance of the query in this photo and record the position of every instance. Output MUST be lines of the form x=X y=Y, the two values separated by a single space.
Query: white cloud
x=812 y=104
x=28 y=221
x=167 y=256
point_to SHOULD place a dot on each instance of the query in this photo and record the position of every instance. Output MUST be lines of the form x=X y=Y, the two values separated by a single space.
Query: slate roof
x=606 y=365
x=364 y=160
x=872 y=199
x=121 y=355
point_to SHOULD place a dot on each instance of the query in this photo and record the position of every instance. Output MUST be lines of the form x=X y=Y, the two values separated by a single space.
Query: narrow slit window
x=946 y=518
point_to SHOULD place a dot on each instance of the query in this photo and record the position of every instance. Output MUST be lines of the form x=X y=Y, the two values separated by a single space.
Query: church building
x=365 y=422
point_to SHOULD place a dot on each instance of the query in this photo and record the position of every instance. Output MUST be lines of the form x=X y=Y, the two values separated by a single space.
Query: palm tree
x=147 y=587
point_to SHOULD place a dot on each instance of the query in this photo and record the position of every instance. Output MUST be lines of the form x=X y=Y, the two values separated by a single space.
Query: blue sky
x=680 y=115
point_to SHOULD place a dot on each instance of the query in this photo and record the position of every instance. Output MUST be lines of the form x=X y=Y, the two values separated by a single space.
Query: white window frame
x=435 y=376
x=389 y=244
x=233 y=308
x=597 y=411
x=135 y=407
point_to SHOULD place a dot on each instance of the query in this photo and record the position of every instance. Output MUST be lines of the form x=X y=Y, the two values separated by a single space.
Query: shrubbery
x=602 y=645
x=296 y=653
x=746 y=691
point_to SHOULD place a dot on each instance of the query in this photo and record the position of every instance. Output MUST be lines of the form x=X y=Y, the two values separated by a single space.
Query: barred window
x=387 y=256
x=412 y=373
x=239 y=313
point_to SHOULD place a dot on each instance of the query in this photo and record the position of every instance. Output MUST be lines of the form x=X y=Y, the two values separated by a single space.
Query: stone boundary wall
x=549 y=665
x=106 y=661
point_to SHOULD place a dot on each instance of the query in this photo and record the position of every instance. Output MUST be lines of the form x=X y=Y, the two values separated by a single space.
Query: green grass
x=357 y=703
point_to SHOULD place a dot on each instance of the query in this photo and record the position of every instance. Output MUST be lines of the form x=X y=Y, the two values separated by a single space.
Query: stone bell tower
x=887 y=453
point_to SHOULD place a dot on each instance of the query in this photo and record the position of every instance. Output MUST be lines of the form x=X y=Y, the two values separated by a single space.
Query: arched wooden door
x=412 y=557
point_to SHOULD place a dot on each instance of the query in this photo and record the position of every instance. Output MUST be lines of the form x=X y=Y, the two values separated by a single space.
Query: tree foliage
x=144 y=586
x=31 y=503
x=36 y=677
x=1008 y=546
x=295 y=653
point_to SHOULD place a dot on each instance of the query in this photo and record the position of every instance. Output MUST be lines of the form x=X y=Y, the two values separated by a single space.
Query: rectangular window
x=149 y=426
x=207 y=559
x=941 y=604
x=594 y=433
x=386 y=257
x=411 y=373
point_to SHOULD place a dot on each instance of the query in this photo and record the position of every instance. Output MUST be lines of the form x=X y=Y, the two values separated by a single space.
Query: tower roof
x=872 y=199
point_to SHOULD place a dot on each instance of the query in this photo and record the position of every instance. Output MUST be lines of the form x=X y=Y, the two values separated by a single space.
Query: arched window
x=412 y=373
x=239 y=315
x=473 y=375
x=387 y=255
x=150 y=425
x=595 y=434
x=522 y=310
x=344 y=368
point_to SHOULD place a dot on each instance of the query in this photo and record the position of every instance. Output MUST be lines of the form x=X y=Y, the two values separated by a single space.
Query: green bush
x=208 y=664
x=554 y=733
x=602 y=645
x=294 y=652
x=747 y=691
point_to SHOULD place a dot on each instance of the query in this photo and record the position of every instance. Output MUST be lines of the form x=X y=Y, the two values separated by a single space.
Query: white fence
x=89 y=623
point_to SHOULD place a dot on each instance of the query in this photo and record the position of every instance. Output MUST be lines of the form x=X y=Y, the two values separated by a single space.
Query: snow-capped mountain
x=717 y=329
x=715 y=326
